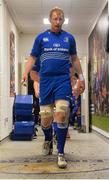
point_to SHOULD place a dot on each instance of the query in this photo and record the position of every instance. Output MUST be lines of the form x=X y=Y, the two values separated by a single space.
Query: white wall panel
x=7 y=26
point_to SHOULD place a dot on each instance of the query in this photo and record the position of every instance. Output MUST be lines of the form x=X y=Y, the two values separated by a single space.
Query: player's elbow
x=33 y=75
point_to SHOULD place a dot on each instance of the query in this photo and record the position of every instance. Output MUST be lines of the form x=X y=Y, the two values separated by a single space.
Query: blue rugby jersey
x=54 y=51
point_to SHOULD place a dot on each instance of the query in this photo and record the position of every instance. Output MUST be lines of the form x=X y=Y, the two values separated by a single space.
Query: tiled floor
x=87 y=156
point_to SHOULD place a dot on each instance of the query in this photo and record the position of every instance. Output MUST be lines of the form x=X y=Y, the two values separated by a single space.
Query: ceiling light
x=46 y=21
x=66 y=21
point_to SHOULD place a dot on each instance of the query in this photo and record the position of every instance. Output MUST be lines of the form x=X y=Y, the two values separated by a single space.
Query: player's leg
x=61 y=116
x=46 y=113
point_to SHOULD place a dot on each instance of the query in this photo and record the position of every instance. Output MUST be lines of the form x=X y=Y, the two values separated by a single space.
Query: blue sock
x=79 y=120
x=61 y=137
x=48 y=133
x=55 y=127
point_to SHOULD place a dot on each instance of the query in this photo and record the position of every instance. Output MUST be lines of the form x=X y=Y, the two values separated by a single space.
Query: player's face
x=56 y=20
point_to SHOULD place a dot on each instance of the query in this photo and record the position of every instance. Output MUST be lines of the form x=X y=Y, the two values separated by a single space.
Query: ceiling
x=28 y=14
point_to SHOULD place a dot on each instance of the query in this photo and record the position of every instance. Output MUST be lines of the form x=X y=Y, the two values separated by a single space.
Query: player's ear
x=49 y=19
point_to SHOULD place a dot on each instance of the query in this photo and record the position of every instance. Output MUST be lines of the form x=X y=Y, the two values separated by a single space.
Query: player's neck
x=56 y=31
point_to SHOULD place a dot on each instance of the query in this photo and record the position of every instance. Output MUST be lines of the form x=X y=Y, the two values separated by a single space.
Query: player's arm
x=28 y=66
x=76 y=64
x=36 y=88
x=72 y=71
x=34 y=76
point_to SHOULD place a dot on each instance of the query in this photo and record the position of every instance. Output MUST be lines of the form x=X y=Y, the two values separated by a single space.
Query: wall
x=6 y=102
x=99 y=72
x=26 y=41
x=0 y=60
x=82 y=47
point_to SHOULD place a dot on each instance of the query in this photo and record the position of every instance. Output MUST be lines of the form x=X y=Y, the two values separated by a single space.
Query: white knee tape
x=46 y=112
x=62 y=106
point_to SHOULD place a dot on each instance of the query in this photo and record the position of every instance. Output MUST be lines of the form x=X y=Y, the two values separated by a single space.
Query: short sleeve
x=36 y=49
x=73 y=50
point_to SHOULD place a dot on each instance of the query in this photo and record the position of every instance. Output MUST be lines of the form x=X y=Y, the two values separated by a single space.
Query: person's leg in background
x=79 y=119
x=36 y=109
x=61 y=117
x=46 y=113
x=78 y=113
x=72 y=112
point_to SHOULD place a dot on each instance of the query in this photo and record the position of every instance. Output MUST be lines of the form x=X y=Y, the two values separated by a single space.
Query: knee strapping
x=46 y=115
x=46 y=112
x=62 y=106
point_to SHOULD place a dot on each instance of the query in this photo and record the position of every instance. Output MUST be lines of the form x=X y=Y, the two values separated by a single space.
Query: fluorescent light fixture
x=46 y=21
x=66 y=21
x=103 y=23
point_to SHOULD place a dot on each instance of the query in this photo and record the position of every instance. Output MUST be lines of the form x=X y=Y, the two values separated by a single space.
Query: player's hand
x=24 y=80
x=75 y=92
x=82 y=87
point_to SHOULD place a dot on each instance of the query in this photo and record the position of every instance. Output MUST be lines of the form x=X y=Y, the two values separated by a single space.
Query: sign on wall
x=12 y=64
x=99 y=71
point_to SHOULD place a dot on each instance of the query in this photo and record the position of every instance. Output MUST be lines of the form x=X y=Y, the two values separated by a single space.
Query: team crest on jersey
x=56 y=44
x=45 y=39
x=66 y=39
